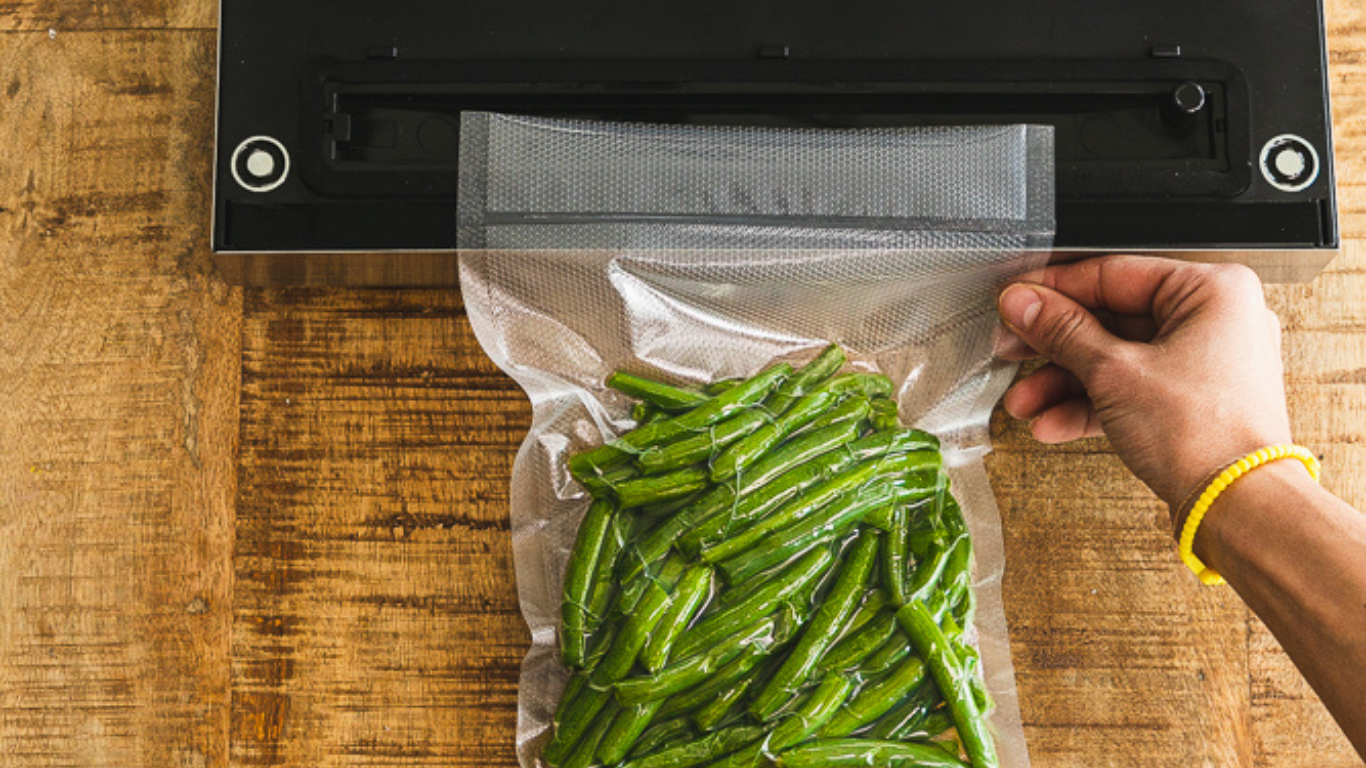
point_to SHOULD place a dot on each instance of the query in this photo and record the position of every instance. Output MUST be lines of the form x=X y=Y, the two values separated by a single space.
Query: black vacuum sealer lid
x=1179 y=125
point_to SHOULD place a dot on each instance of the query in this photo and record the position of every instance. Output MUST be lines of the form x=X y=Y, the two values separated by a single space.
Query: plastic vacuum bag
x=693 y=254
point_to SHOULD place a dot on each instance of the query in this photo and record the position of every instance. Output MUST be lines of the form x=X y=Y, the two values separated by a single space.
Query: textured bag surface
x=697 y=254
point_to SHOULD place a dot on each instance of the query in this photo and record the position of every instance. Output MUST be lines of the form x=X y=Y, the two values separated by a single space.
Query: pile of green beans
x=772 y=571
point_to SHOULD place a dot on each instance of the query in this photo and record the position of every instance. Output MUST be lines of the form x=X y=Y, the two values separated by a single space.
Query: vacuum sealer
x=1201 y=129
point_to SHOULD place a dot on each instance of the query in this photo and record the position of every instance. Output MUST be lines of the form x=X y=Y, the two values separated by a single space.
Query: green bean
x=797 y=452
x=928 y=532
x=600 y=597
x=746 y=565
x=817 y=497
x=703 y=446
x=572 y=688
x=642 y=411
x=718 y=408
x=874 y=600
x=694 y=698
x=763 y=482
x=894 y=556
x=825 y=702
x=876 y=697
x=722 y=385
x=942 y=581
x=851 y=410
x=582 y=756
x=971 y=663
x=639 y=622
x=578 y=582
x=821 y=705
x=916 y=620
x=604 y=483
x=578 y=717
x=862 y=753
x=666 y=571
x=928 y=574
x=626 y=727
x=934 y=724
x=712 y=714
x=667 y=534
x=930 y=485
x=926 y=538
x=731 y=596
x=685 y=524
x=750 y=756
x=656 y=544
x=962 y=610
x=663 y=735
x=657 y=393
x=658 y=488
x=557 y=749
x=820 y=528
x=710 y=523
x=897 y=647
x=860 y=644
x=599 y=644
x=721 y=510
x=821 y=632
x=819 y=369
x=802 y=412
x=629 y=593
x=692 y=591
x=956 y=580
x=651 y=516
x=803 y=603
x=806 y=570
x=905 y=718
x=883 y=414
x=695 y=669
x=703 y=750
x=660 y=511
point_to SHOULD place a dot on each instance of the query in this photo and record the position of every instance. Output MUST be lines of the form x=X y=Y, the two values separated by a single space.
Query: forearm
x=1297 y=555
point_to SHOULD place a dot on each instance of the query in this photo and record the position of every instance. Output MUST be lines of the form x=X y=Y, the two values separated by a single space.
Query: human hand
x=1179 y=364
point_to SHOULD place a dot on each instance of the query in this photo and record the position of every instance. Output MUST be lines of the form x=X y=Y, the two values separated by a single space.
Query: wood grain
x=373 y=620
x=118 y=378
x=61 y=16
x=375 y=617
x=1346 y=24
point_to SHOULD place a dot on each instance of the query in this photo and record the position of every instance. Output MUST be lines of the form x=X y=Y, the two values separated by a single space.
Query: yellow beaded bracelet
x=1234 y=471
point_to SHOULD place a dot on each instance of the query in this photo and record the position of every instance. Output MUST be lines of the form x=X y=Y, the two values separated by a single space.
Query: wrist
x=1265 y=499
x=1216 y=461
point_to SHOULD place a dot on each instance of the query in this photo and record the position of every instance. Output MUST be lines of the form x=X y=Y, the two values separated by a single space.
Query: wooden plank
x=376 y=614
x=1346 y=24
x=118 y=374
x=62 y=16
x=1324 y=339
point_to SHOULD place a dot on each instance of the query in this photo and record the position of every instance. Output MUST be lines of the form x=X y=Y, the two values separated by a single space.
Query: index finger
x=1127 y=285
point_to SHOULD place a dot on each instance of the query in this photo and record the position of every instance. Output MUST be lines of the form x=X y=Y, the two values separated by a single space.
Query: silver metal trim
x=217 y=107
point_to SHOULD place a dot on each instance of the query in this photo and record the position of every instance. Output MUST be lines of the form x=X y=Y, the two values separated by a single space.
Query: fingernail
x=1020 y=304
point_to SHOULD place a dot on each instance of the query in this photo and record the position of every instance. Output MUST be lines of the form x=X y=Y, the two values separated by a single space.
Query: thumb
x=1057 y=327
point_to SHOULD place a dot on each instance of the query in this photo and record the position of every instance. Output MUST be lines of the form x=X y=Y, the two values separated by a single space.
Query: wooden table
x=269 y=527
